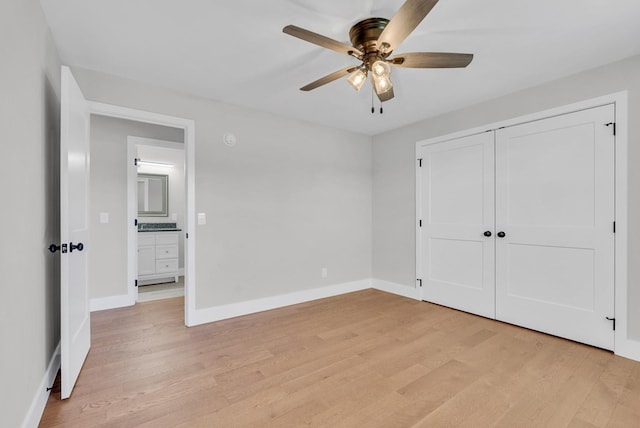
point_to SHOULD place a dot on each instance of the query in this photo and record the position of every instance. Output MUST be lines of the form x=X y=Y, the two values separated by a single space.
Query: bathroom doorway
x=156 y=201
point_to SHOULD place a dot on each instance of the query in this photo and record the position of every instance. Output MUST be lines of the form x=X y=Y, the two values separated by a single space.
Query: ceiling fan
x=373 y=40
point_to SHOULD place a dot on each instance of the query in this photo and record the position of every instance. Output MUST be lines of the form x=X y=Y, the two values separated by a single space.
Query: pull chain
x=373 y=110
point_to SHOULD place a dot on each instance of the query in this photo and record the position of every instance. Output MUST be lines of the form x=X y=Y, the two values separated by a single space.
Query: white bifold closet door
x=517 y=225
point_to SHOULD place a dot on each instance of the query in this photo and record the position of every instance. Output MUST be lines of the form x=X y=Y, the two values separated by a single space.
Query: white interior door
x=456 y=183
x=74 y=224
x=555 y=205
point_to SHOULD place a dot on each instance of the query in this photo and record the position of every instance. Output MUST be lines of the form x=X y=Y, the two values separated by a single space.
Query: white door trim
x=624 y=346
x=188 y=125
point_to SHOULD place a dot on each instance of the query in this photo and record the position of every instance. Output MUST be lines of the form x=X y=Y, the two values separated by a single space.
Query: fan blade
x=320 y=40
x=431 y=60
x=408 y=17
x=386 y=96
x=329 y=78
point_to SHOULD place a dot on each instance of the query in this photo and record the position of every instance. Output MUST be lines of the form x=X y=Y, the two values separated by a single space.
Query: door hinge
x=614 y=322
x=614 y=227
x=420 y=223
x=135 y=222
x=420 y=162
x=136 y=282
x=420 y=281
x=613 y=124
x=135 y=161
x=187 y=235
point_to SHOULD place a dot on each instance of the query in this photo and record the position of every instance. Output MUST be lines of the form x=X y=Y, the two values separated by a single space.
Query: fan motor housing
x=364 y=35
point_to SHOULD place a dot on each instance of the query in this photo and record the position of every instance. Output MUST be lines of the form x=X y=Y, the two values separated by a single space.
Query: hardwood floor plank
x=362 y=359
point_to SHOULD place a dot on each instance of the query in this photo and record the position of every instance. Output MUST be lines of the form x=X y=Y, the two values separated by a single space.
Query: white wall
x=289 y=199
x=394 y=167
x=108 y=255
x=176 y=187
x=29 y=122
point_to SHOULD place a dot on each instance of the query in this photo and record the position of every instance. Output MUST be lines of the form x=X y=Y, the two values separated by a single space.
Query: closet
x=517 y=224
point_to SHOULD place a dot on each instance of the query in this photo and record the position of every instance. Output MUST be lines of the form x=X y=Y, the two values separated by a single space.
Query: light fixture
x=140 y=162
x=357 y=78
x=382 y=84
x=380 y=69
x=380 y=75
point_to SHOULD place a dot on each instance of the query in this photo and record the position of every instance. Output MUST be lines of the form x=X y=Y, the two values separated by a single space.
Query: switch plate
x=174 y=217
x=104 y=218
x=202 y=218
x=324 y=272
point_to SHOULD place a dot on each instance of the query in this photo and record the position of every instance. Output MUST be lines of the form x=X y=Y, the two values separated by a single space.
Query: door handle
x=487 y=233
x=62 y=248
x=501 y=234
x=72 y=246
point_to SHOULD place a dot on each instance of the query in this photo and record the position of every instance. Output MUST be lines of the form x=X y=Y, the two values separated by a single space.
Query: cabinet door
x=456 y=188
x=146 y=260
x=554 y=203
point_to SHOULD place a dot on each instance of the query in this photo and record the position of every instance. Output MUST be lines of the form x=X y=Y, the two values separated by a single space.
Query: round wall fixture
x=229 y=140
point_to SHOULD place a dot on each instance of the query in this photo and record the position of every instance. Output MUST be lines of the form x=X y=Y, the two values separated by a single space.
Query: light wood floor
x=366 y=359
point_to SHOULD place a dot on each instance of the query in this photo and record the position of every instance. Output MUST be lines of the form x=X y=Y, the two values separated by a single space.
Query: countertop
x=158 y=227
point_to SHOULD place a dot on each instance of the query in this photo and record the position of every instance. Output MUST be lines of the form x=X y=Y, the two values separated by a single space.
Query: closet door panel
x=554 y=203
x=457 y=207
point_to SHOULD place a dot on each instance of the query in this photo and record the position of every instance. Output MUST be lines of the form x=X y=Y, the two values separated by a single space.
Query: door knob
x=501 y=234
x=73 y=246
x=487 y=233
x=62 y=248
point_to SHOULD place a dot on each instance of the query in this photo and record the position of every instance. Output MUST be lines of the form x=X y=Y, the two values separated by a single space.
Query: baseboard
x=395 y=288
x=217 y=313
x=628 y=349
x=111 y=302
x=33 y=416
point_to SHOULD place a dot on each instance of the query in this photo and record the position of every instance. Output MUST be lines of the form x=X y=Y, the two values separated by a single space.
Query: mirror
x=153 y=195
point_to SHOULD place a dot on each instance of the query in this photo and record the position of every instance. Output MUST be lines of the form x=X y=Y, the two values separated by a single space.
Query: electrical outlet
x=324 y=272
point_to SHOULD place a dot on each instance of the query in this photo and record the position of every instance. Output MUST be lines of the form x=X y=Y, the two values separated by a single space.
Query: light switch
x=202 y=218
x=104 y=217
x=174 y=216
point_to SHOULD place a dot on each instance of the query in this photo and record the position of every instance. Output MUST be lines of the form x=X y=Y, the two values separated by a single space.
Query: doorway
x=156 y=201
x=187 y=128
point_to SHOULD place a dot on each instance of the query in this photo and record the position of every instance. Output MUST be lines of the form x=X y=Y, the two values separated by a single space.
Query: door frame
x=188 y=125
x=623 y=345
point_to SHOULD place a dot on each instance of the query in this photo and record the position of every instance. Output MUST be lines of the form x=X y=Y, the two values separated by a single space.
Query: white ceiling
x=234 y=51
